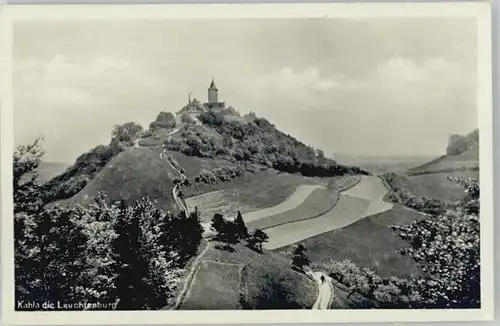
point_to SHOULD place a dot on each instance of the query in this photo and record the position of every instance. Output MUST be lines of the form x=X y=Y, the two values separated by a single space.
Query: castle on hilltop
x=195 y=108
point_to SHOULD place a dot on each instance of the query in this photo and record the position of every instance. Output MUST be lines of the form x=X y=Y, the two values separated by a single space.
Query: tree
x=164 y=120
x=49 y=244
x=448 y=248
x=186 y=118
x=26 y=185
x=320 y=154
x=27 y=203
x=226 y=230
x=186 y=234
x=259 y=237
x=146 y=273
x=299 y=258
x=241 y=228
x=126 y=132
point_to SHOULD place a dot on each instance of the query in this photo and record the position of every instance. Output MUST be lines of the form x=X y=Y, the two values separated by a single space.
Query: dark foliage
x=458 y=144
x=164 y=120
x=108 y=252
x=259 y=142
x=241 y=228
x=299 y=257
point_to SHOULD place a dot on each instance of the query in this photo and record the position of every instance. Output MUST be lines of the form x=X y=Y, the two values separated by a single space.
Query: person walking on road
x=322 y=279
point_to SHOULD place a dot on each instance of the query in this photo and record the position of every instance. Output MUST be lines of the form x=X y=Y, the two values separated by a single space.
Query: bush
x=299 y=258
x=402 y=195
x=164 y=120
x=258 y=141
x=186 y=118
x=458 y=144
x=447 y=247
x=222 y=174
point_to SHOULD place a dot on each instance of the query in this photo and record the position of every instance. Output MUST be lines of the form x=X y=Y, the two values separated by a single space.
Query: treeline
x=458 y=144
x=221 y=174
x=122 y=257
x=231 y=232
x=257 y=141
x=447 y=249
x=401 y=194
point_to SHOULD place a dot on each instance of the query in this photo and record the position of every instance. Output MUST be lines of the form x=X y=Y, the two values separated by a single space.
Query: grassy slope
x=368 y=242
x=437 y=185
x=254 y=269
x=221 y=280
x=320 y=201
x=133 y=174
x=317 y=203
x=252 y=191
x=467 y=159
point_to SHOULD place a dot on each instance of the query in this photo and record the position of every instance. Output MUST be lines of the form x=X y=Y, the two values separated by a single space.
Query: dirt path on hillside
x=325 y=290
x=364 y=199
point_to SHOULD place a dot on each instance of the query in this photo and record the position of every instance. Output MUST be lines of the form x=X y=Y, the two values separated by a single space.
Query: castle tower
x=213 y=93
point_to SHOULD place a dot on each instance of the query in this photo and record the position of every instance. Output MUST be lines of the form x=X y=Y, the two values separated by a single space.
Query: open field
x=437 y=185
x=319 y=201
x=261 y=274
x=216 y=286
x=346 y=211
x=250 y=192
x=357 y=202
x=368 y=242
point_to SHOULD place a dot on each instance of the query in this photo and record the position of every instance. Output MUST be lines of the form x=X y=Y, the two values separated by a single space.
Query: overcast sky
x=361 y=86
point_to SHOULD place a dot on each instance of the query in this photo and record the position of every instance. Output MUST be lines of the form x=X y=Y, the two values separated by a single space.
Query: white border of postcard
x=479 y=10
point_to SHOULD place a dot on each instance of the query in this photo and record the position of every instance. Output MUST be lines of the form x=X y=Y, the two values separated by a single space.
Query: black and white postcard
x=246 y=163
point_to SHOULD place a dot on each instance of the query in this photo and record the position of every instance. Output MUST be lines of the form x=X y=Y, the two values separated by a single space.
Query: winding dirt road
x=325 y=294
x=364 y=199
x=175 y=189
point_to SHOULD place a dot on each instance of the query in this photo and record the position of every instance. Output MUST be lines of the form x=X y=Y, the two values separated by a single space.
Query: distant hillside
x=48 y=170
x=466 y=160
x=132 y=175
x=381 y=164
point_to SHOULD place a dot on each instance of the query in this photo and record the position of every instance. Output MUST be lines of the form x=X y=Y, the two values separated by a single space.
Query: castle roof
x=212 y=85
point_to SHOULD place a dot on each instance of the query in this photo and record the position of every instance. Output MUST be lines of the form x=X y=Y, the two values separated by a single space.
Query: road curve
x=364 y=199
